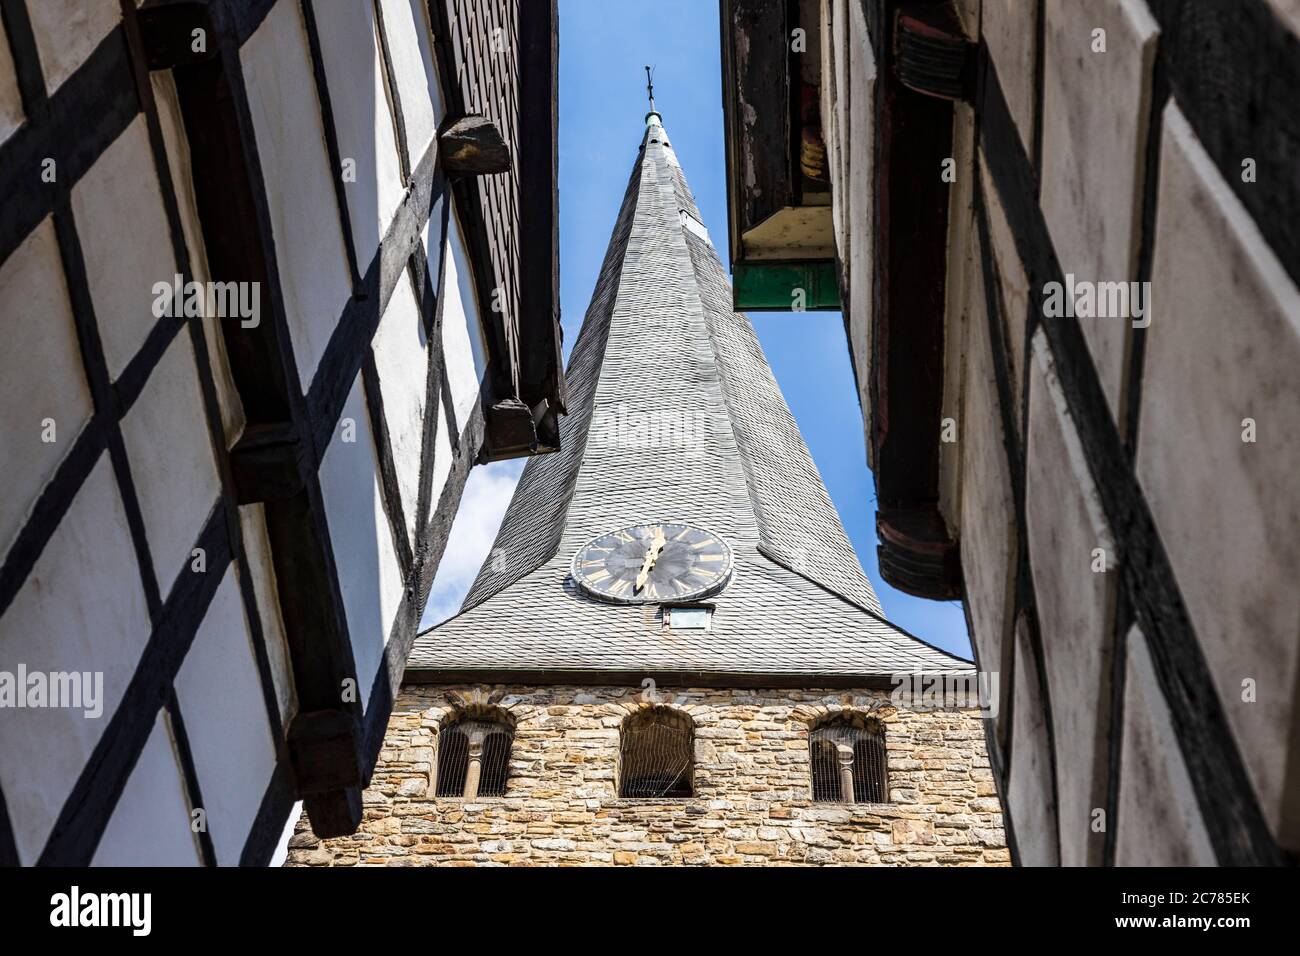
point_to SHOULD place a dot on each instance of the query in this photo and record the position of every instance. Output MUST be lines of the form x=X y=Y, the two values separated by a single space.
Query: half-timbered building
x=274 y=275
x=1065 y=237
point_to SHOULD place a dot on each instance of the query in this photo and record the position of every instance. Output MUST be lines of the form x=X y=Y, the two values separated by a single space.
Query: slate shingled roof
x=674 y=415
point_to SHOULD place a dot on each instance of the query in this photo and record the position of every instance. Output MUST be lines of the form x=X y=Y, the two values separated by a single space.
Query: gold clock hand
x=651 y=556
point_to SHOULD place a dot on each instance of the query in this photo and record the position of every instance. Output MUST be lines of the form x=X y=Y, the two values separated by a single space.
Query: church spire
x=675 y=420
x=652 y=118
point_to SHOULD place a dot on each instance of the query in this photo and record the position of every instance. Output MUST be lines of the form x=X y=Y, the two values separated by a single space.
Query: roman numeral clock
x=650 y=563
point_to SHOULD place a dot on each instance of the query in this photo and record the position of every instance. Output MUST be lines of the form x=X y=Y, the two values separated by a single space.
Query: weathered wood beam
x=502 y=379
x=177 y=34
x=275 y=461
x=510 y=431
x=757 y=91
x=324 y=748
x=473 y=146
x=917 y=554
x=269 y=462
x=934 y=56
x=541 y=359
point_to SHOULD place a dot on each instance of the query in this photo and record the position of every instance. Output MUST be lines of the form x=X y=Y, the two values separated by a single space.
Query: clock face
x=650 y=563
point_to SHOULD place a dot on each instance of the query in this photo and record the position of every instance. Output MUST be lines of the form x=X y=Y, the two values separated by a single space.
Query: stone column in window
x=475 y=770
x=845 y=754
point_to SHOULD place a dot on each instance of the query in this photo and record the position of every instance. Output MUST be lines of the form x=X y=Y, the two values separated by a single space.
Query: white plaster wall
x=1223 y=346
x=463 y=338
x=406 y=24
x=119 y=196
x=835 y=95
x=856 y=193
x=1009 y=27
x=172 y=464
x=82 y=608
x=257 y=548
x=1013 y=284
x=221 y=702
x=151 y=824
x=1064 y=523
x=987 y=537
x=442 y=460
x=369 y=575
x=40 y=375
x=964 y=303
x=11 y=104
x=299 y=182
x=350 y=51
x=177 y=146
x=464 y=350
x=67 y=31
x=1095 y=112
x=1029 y=790
x=402 y=360
x=1159 y=822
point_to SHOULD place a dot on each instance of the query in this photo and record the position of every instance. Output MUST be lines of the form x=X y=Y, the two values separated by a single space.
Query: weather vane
x=650 y=87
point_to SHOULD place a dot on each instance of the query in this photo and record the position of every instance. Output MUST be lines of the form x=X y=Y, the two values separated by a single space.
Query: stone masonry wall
x=752 y=802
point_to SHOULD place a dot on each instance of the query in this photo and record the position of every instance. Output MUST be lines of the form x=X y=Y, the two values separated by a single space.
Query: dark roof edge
x=754 y=680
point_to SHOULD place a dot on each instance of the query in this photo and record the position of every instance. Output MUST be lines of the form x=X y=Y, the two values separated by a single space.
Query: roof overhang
x=782 y=243
x=923 y=68
x=523 y=392
x=783 y=236
x=590 y=677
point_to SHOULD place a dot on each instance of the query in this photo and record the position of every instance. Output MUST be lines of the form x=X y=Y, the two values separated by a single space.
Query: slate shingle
x=674 y=415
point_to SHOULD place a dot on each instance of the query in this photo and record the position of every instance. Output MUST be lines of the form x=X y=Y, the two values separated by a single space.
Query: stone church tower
x=672 y=654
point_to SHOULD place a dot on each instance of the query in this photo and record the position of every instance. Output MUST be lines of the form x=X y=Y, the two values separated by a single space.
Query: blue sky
x=603 y=47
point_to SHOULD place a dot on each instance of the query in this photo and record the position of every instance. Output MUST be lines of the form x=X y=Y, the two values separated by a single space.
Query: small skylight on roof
x=688 y=618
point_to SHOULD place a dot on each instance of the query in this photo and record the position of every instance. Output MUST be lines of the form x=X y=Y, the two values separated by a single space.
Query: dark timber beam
x=1234 y=67
x=917 y=554
x=269 y=462
x=757 y=113
x=523 y=391
x=177 y=34
x=501 y=383
x=276 y=460
x=541 y=359
x=472 y=146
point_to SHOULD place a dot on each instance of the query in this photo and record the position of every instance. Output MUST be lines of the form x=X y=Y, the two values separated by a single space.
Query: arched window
x=655 y=754
x=848 y=760
x=474 y=757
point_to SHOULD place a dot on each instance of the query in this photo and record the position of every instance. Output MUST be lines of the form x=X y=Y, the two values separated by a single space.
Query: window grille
x=848 y=761
x=656 y=754
x=474 y=759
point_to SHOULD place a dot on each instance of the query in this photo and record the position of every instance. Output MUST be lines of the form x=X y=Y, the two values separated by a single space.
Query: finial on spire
x=653 y=117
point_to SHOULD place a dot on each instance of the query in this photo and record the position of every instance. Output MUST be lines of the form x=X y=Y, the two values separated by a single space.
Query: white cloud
x=482 y=506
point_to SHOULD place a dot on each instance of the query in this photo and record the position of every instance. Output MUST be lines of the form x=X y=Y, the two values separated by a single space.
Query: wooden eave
x=523 y=391
x=764 y=201
x=914 y=120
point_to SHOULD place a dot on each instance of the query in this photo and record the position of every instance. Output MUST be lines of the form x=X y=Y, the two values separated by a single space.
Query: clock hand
x=651 y=556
